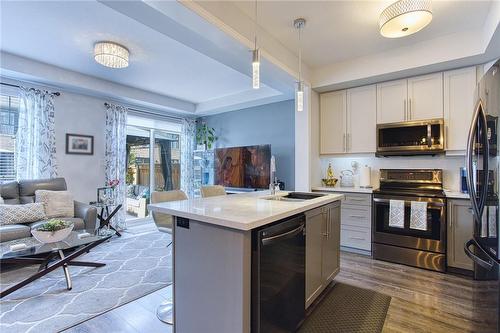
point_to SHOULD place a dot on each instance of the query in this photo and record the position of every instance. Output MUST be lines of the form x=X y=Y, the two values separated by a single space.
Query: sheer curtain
x=187 y=147
x=36 y=139
x=116 y=156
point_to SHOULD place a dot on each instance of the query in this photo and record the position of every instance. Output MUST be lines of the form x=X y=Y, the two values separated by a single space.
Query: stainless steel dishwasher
x=278 y=276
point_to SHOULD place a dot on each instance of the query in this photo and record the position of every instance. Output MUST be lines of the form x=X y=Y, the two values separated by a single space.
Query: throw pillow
x=56 y=203
x=14 y=214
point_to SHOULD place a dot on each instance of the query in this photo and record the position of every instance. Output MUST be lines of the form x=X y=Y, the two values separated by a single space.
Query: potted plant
x=54 y=230
x=205 y=136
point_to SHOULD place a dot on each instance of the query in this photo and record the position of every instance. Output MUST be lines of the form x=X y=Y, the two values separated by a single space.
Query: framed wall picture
x=79 y=144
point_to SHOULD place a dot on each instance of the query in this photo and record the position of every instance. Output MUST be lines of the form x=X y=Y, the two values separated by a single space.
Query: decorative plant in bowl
x=54 y=230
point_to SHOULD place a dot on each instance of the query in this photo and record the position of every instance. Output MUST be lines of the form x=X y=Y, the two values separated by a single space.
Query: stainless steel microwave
x=422 y=137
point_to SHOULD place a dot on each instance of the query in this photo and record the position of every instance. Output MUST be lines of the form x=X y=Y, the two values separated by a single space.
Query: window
x=9 y=121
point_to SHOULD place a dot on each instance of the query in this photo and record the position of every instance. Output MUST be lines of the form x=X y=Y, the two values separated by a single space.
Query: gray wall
x=272 y=124
x=80 y=114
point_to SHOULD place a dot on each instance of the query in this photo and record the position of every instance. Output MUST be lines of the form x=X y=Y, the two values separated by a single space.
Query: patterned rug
x=135 y=266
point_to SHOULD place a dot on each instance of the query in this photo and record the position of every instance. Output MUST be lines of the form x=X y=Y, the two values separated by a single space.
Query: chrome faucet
x=273 y=186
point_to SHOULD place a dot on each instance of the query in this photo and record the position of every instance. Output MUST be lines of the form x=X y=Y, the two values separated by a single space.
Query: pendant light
x=299 y=97
x=255 y=57
x=405 y=17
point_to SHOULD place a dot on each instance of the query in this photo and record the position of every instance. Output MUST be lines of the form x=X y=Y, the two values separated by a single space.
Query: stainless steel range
x=409 y=218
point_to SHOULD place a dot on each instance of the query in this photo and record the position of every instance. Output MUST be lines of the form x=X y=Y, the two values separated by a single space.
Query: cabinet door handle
x=450 y=218
x=357 y=216
x=446 y=136
x=357 y=238
x=328 y=226
x=343 y=143
x=404 y=109
x=409 y=110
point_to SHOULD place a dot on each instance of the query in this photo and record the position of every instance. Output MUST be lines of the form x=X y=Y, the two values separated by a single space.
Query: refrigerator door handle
x=486 y=155
x=469 y=152
x=479 y=116
x=488 y=265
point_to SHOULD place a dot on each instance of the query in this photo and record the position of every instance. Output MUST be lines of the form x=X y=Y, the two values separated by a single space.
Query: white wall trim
x=28 y=70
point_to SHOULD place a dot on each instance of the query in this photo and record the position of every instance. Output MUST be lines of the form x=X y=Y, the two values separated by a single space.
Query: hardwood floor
x=138 y=316
x=422 y=301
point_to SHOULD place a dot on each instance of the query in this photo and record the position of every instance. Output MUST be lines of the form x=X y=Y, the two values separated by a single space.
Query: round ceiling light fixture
x=110 y=54
x=405 y=17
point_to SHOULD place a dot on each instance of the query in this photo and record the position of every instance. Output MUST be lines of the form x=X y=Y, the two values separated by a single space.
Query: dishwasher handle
x=289 y=234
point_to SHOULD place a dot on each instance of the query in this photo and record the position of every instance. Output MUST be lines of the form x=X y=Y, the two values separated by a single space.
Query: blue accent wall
x=272 y=124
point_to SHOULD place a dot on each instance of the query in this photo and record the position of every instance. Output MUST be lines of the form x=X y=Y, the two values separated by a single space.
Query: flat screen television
x=243 y=167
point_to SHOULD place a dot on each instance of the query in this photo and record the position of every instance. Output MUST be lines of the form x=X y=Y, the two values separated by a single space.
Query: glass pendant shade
x=256 y=69
x=405 y=17
x=111 y=55
x=300 y=97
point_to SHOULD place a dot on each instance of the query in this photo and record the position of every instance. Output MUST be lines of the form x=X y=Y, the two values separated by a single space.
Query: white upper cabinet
x=361 y=119
x=391 y=101
x=459 y=88
x=425 y=97
x=333 y=122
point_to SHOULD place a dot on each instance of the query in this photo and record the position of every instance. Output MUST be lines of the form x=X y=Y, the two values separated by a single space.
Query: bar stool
x=212 y=191
x=164 y=223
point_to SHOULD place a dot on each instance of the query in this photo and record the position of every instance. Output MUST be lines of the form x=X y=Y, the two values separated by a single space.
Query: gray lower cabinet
x=460 y=230
x=322 y=248
x=356 y=222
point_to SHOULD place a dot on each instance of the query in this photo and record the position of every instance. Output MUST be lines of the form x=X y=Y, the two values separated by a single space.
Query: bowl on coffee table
x=52 y=231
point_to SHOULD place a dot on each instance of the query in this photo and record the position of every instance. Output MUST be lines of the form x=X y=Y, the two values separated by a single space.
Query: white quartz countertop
x=456 y=195
x=343 y=189
x=245 y=211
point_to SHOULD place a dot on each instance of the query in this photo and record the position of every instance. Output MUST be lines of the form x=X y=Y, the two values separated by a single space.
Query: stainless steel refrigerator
x=482 y=160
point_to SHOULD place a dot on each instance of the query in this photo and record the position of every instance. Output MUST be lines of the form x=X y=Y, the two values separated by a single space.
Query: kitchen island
x=212 y=254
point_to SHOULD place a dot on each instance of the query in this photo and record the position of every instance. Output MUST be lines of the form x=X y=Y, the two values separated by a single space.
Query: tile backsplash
x=450 y=165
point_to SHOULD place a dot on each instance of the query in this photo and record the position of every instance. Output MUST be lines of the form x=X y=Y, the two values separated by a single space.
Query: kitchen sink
x=303 y=195
x=295 y=197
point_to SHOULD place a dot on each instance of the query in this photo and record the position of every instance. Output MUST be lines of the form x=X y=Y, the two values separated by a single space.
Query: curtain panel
x=188 y=137
x=36 y=138
x=116 y=156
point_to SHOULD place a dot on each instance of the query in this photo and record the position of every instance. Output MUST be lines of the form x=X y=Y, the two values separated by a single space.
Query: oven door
x=433 y=239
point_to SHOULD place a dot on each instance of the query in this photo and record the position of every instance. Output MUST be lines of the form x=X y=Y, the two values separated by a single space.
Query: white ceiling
x=340 y=30
x=62 y=33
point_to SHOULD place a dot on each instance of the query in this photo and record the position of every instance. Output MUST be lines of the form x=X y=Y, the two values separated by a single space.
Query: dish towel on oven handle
x=418 y=215
x=397 y=213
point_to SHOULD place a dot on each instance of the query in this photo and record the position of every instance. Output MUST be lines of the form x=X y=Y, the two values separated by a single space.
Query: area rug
x=348 y=309
x=135 y=267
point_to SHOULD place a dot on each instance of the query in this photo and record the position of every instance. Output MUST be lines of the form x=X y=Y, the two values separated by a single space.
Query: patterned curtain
x=188 y=137
x=36 y=139
x=116 y=155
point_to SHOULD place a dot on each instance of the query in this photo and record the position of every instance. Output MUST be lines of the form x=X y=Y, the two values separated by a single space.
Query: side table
x=105 y=216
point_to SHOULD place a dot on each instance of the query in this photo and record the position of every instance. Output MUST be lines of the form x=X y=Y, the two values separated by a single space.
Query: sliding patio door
x=153 y=161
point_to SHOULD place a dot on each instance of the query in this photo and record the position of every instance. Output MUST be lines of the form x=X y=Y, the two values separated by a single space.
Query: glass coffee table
x=49 y=256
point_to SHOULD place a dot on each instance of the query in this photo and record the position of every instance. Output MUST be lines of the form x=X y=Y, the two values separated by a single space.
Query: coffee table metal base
x=45 y=268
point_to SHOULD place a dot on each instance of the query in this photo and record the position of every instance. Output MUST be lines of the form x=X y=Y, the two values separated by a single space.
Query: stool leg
x=165 y=312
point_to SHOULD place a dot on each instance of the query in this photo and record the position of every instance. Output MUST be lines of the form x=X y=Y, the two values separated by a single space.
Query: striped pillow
x=56 y=203
x=16 y=214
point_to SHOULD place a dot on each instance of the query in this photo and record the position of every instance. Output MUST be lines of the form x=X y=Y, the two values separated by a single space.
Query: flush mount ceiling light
x=405 y=17
x=110 y=54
